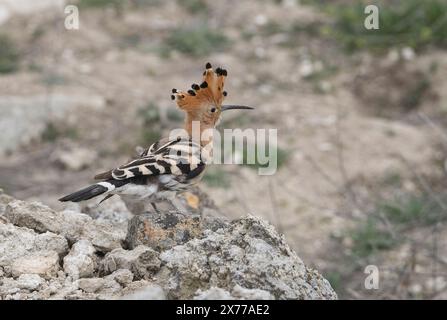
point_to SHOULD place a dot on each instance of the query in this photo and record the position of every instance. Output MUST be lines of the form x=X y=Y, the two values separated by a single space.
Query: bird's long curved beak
x=235 y=107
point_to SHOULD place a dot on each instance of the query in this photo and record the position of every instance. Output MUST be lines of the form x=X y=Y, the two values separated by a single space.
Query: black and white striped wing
x=177 y=157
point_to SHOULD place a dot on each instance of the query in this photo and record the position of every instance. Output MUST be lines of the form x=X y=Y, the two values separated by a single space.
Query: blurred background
x=361 y=117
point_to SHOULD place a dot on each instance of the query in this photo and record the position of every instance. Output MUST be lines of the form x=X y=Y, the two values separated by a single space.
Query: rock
x=111 y=289
x=4 y=200
x=150 y=292
x=16 y=242
x=51 y=241
x=188 y=258
x=81 y=261
x=113 y=211
x=123 y=276
x=142 y=261
x=45 y=264
x=162 y=231
x=30 y=281
x=90 y=285
x=104 y=236
x=241 y=293
x=72 y=225
x=34 y=215
x=213 y=293
x=248 y=253
x=64 y=291
x=238 y=293
x=8 y=286
x=3 y=219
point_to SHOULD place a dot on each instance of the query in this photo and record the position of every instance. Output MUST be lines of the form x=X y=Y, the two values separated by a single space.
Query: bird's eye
x=213 y=110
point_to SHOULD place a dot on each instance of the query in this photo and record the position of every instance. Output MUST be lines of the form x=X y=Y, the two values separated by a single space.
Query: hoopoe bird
x=170 y=165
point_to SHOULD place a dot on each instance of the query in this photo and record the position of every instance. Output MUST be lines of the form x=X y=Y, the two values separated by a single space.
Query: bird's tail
x=92 y=191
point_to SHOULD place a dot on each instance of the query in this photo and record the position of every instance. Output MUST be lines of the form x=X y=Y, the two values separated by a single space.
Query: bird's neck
x=199 y=131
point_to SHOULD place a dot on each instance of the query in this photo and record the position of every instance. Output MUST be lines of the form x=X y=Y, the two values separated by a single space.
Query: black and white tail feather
x=94 y=190
x=179 y=161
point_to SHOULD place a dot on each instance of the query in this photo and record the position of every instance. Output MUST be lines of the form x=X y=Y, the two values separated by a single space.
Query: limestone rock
x=249 y=253
x=213 y=293
x=141 y=261
x=16 y=243
x=242 y=293
x=4 y=200
x=90 y=285
x=30 y=281
x=8 y=286
x=72 y=225
x=113 y=211
x=81 y=261
x=162 y=231
x=122 y=276
x=45 y=264
x=150 y=292
x=172 y=256
x=238 y=293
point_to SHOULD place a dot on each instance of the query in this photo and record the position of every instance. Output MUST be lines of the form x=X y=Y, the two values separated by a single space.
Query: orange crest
x=210 y=91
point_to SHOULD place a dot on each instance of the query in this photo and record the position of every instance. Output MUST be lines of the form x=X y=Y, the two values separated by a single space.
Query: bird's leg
x=175 y=202
x=154 y=207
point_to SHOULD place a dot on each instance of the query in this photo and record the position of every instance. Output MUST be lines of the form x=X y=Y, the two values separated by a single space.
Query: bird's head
x=204 y=101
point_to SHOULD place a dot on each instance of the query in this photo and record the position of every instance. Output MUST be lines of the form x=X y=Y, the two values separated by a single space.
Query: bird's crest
x=209 y=91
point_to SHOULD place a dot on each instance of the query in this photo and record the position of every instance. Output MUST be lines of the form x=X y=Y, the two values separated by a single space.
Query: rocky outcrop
x=72 y=225
x=248 y=253
x=46 y=254
x=142 y=261
x=237 y=293
x=162 y=231
x=81 y=262
x=17 y=242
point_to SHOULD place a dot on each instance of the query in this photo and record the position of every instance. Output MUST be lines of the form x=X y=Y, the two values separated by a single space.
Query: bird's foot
x=179 y=207
x=154 y=206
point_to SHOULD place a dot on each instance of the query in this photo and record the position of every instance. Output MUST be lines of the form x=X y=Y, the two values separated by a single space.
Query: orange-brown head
x=203 y=102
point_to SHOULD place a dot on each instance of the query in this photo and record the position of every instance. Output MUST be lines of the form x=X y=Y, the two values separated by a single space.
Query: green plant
x=195 y=42
x=100 y=3
x=392 y=178
x=292 y=31
x=369 y=238
x=216 y=177
x=326 y=71
x=414 y=210
x=149 y=135
x=279 y=156
x=194 y=6
x=412 y=23
x=149 y=114
x=146 y=3
x=53 y=132
x=416 y=94
x=238 y=122
x=9 y=55
x=335 y=279
x=52 y=79
x=175 y=115
x=408 y=210
x=272 y=28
